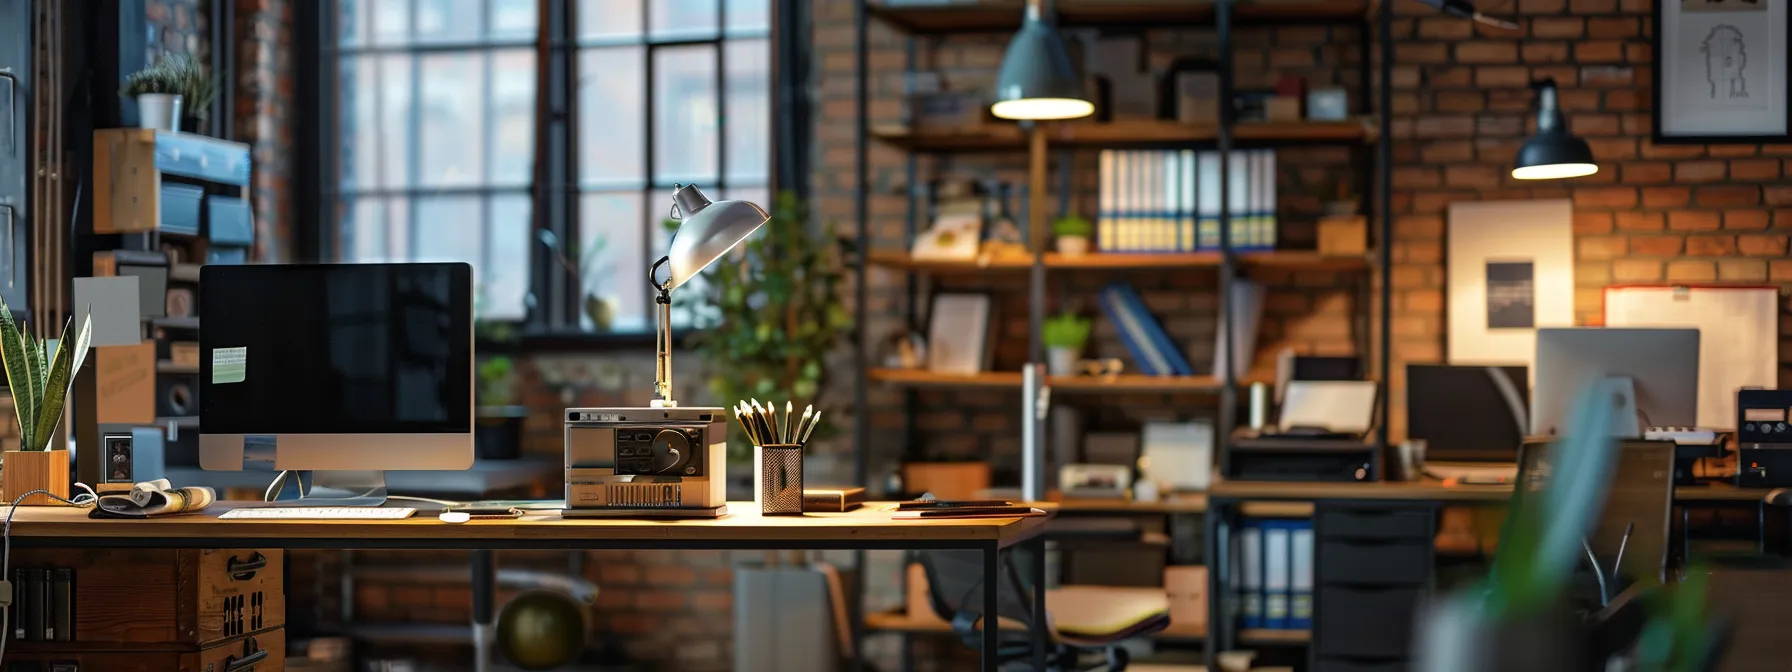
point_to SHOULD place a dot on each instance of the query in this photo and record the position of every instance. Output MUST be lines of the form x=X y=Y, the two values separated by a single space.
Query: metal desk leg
x=485 y=579
x=1037 y=637
x=991 y=570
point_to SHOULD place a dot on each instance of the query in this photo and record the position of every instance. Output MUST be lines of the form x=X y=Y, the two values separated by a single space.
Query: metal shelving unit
x=924 y=25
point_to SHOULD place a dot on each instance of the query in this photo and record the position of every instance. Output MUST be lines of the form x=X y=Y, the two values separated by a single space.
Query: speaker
x=126 y=455
x=177 y=396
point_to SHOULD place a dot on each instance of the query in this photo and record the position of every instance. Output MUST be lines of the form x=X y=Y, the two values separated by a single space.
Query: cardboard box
x=1282 y=108
x=1344 y=236
x=1186 y=587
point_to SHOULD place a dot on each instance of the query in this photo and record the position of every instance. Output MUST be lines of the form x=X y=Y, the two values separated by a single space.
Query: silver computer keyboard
x=319 y=513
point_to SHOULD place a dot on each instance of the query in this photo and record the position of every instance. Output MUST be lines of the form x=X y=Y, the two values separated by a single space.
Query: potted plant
x=1072 y=233
x=1064 y=337
x=40 y=382
x=157 y=90
x=196 y=90
x=498 y=433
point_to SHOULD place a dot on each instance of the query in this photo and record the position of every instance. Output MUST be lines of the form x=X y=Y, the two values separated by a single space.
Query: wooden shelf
x=1295 y=259
x=1289 y=637
x=1005 y=15
x=898 y=620
x=1192 y=502
x=997 y=137
x=1130 y=382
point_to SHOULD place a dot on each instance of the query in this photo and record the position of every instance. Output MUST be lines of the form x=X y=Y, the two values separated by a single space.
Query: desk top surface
x=1431 y=490
x=869 y=526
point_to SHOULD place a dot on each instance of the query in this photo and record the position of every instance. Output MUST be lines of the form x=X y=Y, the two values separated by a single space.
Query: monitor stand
x=339 y=488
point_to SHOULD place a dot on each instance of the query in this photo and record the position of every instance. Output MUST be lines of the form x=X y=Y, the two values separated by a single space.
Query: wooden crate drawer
x=165 y=596
x=261 y=652
x=1392 y=563
x=1375 y=523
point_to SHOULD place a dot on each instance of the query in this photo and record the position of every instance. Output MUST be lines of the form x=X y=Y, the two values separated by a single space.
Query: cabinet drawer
x=1396 y=563
x=1365 y=622
x=1337 y=665
x=180 y=208
x=228 y=221
x=1374 y=523
x=129 y=597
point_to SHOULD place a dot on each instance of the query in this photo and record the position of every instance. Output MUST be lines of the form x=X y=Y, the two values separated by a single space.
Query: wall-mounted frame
x=1721 y=71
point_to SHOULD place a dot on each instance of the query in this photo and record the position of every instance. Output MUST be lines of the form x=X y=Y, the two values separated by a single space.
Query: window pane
x=393 y=158
x=681 y=19
x=351 y=22
x=448 y=229
x=513 y=116
x=389 y=21
x=506 y=276
x=612 y=113
x=359 y=122
x=609 y=18
x=748 y=65
x=452 y=151
x=755 y=195
x=449 y=20
x=685 y=114
x=375 y=229
x=609 y=253
x=747 y=16
x=513 y=19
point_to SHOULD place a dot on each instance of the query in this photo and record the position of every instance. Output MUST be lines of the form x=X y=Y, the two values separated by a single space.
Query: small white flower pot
x=1061 y=361
x=1073 y=246
x=160 y=111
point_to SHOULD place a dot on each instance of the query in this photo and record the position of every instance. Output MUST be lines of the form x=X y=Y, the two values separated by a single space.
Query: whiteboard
x=1738 y=337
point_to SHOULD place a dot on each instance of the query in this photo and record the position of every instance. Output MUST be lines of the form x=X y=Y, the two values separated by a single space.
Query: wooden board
x=871 y=523
x=217 y=658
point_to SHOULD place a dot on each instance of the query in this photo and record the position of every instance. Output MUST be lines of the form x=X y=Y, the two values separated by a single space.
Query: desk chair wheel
x=1118 y=659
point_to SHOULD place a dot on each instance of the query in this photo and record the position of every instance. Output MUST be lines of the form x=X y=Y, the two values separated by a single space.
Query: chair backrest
x=1640 y=497
x=955 y=585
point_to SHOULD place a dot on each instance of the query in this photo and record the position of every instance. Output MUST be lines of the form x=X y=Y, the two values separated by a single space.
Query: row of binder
x=1169 y=200
x=1274 y=583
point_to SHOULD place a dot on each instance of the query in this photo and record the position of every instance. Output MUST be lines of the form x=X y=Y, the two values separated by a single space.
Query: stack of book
x=1169 y=200
x=1275 y=578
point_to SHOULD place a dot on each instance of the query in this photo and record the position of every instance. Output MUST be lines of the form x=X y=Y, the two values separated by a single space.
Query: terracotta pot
x=1073 y=246
x=27 y=470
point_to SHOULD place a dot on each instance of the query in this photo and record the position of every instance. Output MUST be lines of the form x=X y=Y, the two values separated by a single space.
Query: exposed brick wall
x=177 y=26
x=265 y=106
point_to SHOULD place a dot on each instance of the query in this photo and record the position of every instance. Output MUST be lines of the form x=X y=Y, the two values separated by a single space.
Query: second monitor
x=1662 y=366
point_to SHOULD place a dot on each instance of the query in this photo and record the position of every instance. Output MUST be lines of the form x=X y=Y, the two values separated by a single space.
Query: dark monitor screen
x=336 y=349
x=1464 y=413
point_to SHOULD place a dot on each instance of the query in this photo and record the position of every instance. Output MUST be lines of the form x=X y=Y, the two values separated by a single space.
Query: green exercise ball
x=541 y=630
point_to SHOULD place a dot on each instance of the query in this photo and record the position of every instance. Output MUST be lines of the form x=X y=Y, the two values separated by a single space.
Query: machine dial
x=671 y=450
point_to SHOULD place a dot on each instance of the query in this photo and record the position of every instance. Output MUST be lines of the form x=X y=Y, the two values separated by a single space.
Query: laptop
x=1471 y=418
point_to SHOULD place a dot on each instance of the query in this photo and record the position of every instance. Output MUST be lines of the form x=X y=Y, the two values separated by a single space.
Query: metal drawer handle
x=11 y=272
x=12 y=109
x=243 y=570
x=252 y=654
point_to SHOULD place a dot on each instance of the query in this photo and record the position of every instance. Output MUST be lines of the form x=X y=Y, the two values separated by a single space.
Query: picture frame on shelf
x=1721 y=72
x=958 y=330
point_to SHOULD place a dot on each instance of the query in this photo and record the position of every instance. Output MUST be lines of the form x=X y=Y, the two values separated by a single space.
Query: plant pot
x=192 y=124
x=1454 y=637
x=27 y=470
x=600 y=311
x=159 y=111
x=1073 y=246
x=1061 y=361
x=498 y=432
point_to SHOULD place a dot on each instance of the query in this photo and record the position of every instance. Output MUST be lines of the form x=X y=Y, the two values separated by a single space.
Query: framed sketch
x=1510 y=271
x=958 y=333
x=1721 y=71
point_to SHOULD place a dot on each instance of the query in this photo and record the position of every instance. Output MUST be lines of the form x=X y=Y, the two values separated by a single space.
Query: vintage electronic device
x=1660 y=368
x=1764 y=438
x=127 y=455
x=659 y=462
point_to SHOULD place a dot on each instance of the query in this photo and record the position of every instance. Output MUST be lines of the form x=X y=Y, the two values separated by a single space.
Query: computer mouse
x=454 y=517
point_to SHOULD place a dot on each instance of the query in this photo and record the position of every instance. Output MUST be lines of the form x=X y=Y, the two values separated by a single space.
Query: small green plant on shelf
x=38 y=380
x=156 y=78
x=769 y=314
x=1066 y=330
x=497 y=381
x=1072 y=234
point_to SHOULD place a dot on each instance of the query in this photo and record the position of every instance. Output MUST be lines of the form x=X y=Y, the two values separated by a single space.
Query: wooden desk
x=868 y=528
x=1433 y=491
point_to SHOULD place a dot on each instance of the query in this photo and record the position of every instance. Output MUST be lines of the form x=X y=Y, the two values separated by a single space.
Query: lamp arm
x=662 y=341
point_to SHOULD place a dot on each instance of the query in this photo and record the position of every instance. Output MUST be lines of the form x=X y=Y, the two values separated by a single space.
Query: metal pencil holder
x=779 y=488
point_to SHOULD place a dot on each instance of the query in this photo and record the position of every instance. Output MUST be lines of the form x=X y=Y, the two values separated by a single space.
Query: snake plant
x=39 y=381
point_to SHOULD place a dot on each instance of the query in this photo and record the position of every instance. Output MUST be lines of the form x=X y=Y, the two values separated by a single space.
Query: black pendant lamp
x=1037 y=80
x=1553 y=153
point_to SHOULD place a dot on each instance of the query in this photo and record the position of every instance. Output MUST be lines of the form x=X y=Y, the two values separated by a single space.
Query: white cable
x=82 y=500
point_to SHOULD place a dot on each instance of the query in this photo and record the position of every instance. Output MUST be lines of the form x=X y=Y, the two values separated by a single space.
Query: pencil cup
x=779 y=488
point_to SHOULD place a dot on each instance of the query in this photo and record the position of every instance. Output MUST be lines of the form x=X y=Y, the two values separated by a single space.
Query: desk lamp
x=708 y=230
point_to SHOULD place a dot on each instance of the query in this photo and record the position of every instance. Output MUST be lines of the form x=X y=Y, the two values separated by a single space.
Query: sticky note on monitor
x=229 y=365
x=115 y=307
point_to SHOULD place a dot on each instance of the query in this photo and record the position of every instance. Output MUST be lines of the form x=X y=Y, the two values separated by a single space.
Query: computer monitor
x=1662 y=366
x=343 y=369
x=1468 y=413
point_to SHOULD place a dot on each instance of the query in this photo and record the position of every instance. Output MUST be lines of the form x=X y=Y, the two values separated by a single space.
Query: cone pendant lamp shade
x=1037 y=80
x=1553 y=153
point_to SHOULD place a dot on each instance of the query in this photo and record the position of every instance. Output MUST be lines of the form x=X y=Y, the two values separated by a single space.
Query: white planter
x=160 y=111
x=1061 y=361
x=1073 y=246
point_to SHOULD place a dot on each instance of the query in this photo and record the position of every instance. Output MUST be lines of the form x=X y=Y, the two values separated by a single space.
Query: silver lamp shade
x=1037 y=80
x=708 y=230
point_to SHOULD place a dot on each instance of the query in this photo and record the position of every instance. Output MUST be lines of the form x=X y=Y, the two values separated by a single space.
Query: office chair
x=1078 y=619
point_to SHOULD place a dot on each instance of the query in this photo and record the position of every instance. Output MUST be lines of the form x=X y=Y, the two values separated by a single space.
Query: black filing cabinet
x=15 y=100
x=1373 y=565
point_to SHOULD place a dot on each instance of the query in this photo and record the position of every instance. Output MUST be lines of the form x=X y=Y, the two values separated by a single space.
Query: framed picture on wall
x=1721 y=71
